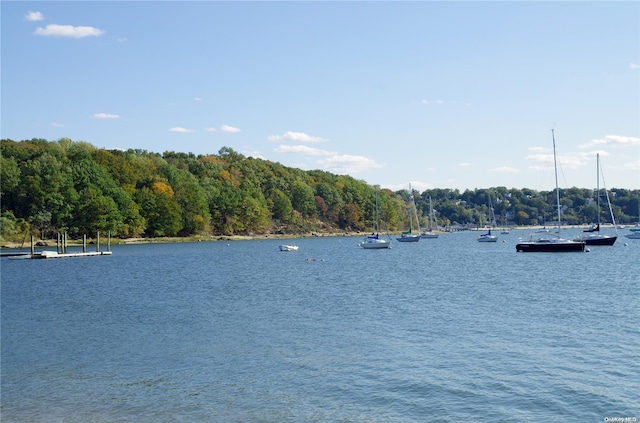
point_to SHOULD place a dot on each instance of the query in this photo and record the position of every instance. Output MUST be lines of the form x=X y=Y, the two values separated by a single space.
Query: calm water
x=447 y=330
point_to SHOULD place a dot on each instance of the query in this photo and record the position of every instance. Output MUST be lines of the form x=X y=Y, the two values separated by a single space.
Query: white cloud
x=34 y=16
x=105 y=116
x=210 y=129
x=617 y=140
x=634 y=66
x=331 y=161
x=253 y=153
x=71 y=31
x=57 y=125
x=505 y=169
x=346 y=164
x=418 y=186
x=295 y=136
x=227 y=128
x=432 y=102
x=569 y=161
x=464 y=164
x=197 y=99
x=180 y=129
x=303 y=149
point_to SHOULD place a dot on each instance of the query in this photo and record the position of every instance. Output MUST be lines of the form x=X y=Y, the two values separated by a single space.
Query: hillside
x=66 y=186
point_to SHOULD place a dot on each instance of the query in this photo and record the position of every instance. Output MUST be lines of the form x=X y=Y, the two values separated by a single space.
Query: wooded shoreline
x=167 y=240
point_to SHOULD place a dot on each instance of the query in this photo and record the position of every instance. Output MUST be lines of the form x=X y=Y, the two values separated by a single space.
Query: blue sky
x=437 y=94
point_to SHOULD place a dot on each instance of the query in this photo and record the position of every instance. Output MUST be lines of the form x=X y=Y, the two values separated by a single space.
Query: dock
x=55 y=254
x=61 y=250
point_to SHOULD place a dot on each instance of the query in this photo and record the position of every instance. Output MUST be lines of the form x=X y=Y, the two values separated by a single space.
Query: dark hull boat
x=550 y=246
x=595 y=237
x=599 y=239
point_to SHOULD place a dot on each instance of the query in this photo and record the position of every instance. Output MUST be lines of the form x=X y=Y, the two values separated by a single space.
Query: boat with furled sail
x=592 y=235
x=375 y=241
x=551 y=244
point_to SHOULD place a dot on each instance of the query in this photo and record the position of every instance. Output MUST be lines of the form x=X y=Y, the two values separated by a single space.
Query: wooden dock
x=61 y=250
x=55 y=254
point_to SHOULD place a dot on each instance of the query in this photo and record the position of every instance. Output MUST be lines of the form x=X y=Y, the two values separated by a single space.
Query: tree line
x=48 y=187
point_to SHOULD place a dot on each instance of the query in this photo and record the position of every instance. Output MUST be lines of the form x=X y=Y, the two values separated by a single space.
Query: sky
x=458 y=95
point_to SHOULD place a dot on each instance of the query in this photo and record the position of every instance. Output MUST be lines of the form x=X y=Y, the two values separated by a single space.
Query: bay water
x=446 y=330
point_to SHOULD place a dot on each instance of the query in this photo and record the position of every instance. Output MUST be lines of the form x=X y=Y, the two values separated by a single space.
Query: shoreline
x=165 y=240
x=48 y=243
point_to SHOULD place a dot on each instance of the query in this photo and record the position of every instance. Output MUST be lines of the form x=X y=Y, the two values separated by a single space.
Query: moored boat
x=429 y=232
x=409 y=236
x=551 y=244
x=288 y=247
x=488 y=237
x=592 y=235
x=374 y=241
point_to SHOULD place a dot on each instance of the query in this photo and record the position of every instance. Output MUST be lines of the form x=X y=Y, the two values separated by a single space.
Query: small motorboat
x=288 y=247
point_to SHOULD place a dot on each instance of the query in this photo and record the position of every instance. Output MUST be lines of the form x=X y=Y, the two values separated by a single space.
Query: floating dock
x=55 y=254
x=61 y=250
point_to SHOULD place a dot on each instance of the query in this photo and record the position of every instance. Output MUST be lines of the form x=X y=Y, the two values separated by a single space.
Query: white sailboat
x=374 y=241
x=429 y=232
x=489 y=237
x=505 y=230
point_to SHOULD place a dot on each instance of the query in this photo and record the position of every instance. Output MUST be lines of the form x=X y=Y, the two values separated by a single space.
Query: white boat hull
x=288 y=247
x=378 y=245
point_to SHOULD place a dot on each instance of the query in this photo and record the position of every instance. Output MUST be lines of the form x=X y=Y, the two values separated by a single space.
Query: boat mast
x=606 y=193
x=555 y=167
x=410 y=210
x=377 y=224
x=431 y=219
x=598 y=188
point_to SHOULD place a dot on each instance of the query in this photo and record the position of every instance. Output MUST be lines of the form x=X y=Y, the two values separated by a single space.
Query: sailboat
x=488 y=237
x=429 y=233
x=594 y=237
x=409 y=236
x=505 y=230
x=551 y=244
x=374 y=241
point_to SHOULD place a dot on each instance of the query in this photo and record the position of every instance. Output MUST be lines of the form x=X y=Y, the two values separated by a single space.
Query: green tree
x=282 y=208
x=302 y=199
x=9 y=175
x=255 y=213
x=96 y=212
x=161 y=211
